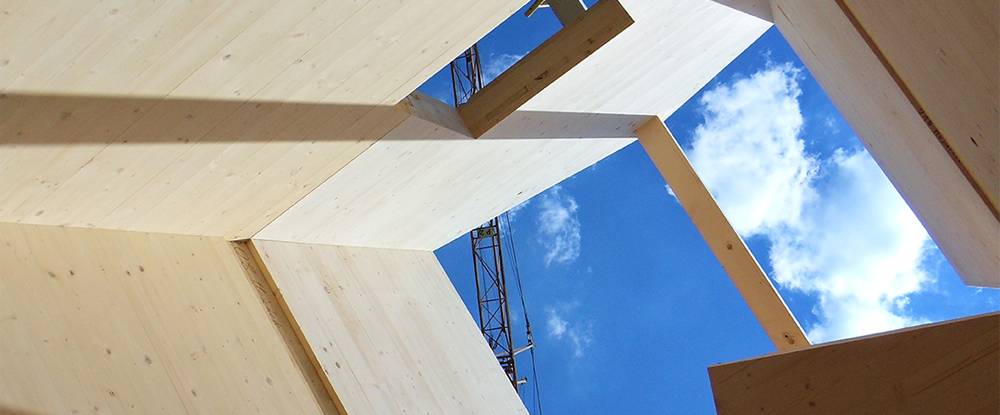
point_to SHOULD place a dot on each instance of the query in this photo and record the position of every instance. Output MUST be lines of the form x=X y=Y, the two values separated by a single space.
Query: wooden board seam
x=293 y=322
x=320 y=183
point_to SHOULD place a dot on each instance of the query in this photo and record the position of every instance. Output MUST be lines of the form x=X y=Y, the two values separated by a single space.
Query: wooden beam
x=720 y=236
x=544 y=65
x=567 y=11
x=945 y=368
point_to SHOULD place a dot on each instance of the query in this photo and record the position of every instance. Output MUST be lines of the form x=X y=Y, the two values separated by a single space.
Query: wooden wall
x=945 y=368
x=917 y=81
x=947 y=56
x=388 y=329
x=97 y=321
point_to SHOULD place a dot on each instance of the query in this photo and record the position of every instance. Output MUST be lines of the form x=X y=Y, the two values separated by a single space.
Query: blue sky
x=629 y=306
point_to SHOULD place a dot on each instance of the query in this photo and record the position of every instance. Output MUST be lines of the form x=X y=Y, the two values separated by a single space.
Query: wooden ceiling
x=671 y=51
x=345 y=52
x=204 y=118
x=214 y=118
x=428 y=181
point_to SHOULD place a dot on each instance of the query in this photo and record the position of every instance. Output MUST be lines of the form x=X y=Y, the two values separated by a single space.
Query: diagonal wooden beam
x=722 y=239
x=544 y=65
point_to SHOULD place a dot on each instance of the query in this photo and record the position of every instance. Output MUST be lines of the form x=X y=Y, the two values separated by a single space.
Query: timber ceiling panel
x=265 y=99
x=334 y=51
x=671 y=51
x=424 y=183
x=216 y=168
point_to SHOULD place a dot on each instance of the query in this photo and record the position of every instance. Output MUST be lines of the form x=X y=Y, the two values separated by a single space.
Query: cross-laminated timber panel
x=337 y=51
x=388 y=330
x=945 y=368
x=99 y=321
x=199 y=167
x=655 y=65
x=428 y=181
x=944 y=56
x=918 y=82
x=265 y=100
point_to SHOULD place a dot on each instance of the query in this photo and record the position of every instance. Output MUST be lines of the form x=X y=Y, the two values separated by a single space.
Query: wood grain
x=898 y=138
x=113 y=322
x=673 y=49
x=388 y=329
x=425 y=184
x=739 y=263
x=544 y=65
x=945 y=368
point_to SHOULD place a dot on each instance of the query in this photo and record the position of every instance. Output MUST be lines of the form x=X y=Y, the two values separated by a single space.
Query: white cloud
x=557 y=326
x=831 y=124
x=578 y=335
x=495 y=65
x=861 y=250
x=670 y=191
x=838 y=228
x=558 y=226
x=748 y=151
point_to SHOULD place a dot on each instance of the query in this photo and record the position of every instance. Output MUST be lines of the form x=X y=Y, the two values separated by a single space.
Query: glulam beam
x=543 y=65
x=743 y=269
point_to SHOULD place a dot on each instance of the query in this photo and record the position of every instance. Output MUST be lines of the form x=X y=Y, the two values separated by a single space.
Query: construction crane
x=492 y=293
x=489 y=264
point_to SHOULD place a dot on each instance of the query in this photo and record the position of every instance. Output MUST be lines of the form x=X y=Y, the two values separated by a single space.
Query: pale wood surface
x=957 y=218
x=339 y=51
x=177 y=166
x=86 y=138
x=757 y=8
x=948 y=55
x=945 y=368
x=424 y=183
x=544 y=65
x=98 y=321
x=388 y=329
x=654 y=66
x=734 y=256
